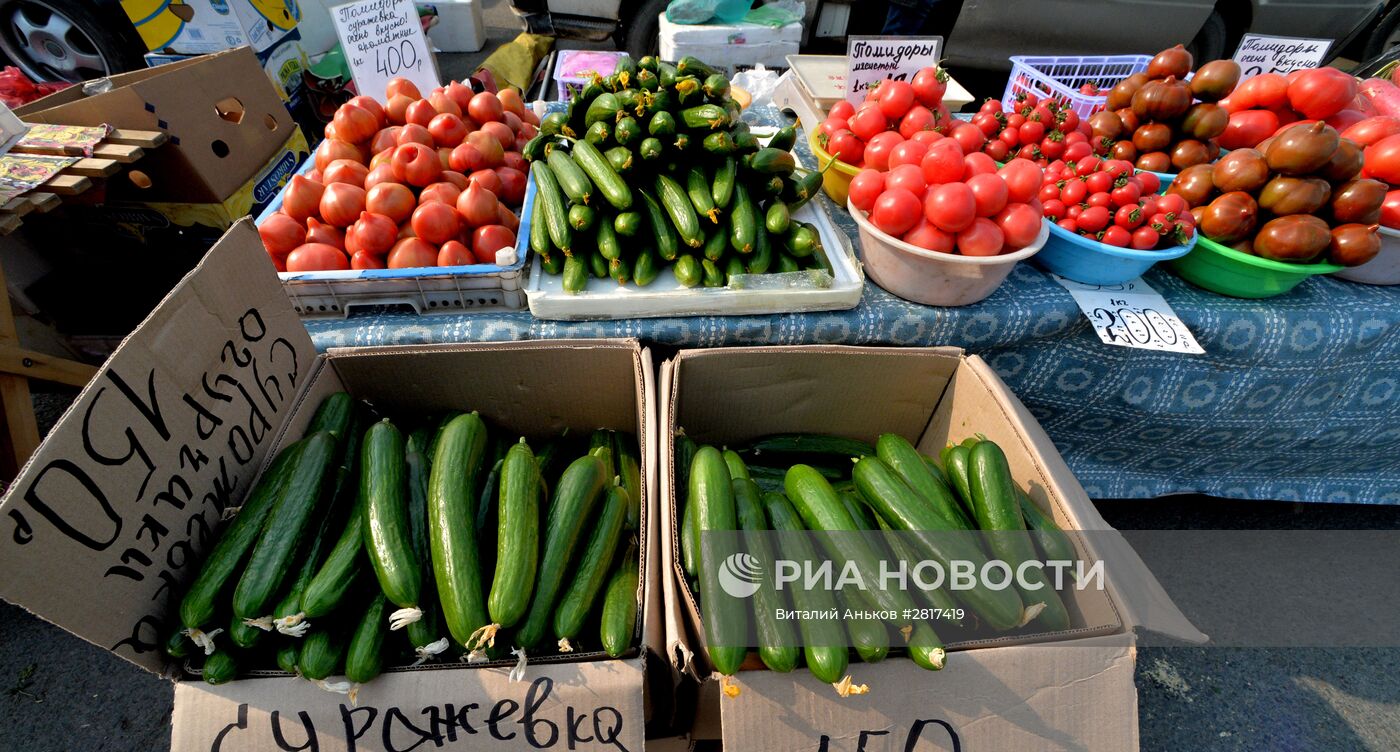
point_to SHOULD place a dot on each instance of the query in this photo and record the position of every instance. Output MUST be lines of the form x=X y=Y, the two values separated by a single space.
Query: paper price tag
x=1264 y=54
x=871 y=59
x=1132 y=315
x=383 y=39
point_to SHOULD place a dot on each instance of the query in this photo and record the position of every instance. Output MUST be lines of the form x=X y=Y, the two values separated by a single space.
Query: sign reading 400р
x=383 y=39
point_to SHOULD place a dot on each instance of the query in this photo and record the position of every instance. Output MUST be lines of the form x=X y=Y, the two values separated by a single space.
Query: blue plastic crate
x=1059 y=78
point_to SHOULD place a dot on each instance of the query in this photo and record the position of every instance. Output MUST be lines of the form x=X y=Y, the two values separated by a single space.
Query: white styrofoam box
x=731 y=46
x=459 y=26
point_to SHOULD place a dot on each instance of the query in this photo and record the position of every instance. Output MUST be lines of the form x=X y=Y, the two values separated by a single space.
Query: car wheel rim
x=47 y=45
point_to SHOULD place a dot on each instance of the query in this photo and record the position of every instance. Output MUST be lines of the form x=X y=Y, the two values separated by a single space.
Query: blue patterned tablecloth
x=1296 y=398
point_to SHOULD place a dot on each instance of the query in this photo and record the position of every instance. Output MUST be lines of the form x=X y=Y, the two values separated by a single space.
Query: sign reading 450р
x=873 y=59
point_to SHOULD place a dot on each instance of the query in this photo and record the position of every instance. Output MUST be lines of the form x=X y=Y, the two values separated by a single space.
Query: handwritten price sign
x=383 y=39
x=1132 y=315
x=1262 y=54
x=872 y=59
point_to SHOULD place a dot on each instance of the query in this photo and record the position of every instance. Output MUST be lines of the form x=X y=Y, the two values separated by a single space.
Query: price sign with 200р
x=1132 y=314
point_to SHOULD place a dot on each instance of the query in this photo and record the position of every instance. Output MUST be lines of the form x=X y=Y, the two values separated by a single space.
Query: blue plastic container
x=1078 y=258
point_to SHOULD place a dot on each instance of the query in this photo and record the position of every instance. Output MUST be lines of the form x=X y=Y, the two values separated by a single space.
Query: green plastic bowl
x=1229 y=272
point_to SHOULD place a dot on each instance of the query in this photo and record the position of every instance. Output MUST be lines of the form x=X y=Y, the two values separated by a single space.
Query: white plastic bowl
x=1384 y=269
x=931 y=277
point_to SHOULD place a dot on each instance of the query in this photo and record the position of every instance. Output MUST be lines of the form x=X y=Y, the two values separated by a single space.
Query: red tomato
x=1031 y=132
x=895 y=211
x=1068 y=120
x=316 y=257
x=1321 y=92
x=846 y=147
x=412 y=253
x=831 y=125
x=908 y=153
x=416 y=164
x=435 y=222
x=1020 y=225
x=982 y=238
x=990 y=105
x=1100 y=199
x=453 y=253
x=1372 y=129
x=868 y=122
x=1145 y=238
x=485 y=107
x=877 y=151
x=488 y=239
x=996 y=149
x=487 y=179
x=926 y=137
x=987 y=123
x=968 y=136
x=1077 y=150
x=1128 y=217
x=1068 y=224
x=1390 y=210
x=866 y=186
x=1382 y=161
x=928 y=237
x=1050 y=191
x=1074 y=210
x=1150 y=182
x=907 y=176
x=842 y=110
x=512 y=185
x=1053 y=145
x=281 y=234
x=1247 y=128
x=1345 y=119
x=1265 y=91
x=930 y=84
x=1116 y=236
x=1010 y=137
x=1126 y=194
x=919 y=118
x=1093 y=219
x=978 y=163
x=1099 y=182
x=1074 y=192
x=951 y=207
x=895 y=98
x=1015 y=120
x=1054 y=209
x=1172 y=204
x=341 y=204
x=1022 y=180
x=989 y=191
x=943 y=163
x=1087 y=166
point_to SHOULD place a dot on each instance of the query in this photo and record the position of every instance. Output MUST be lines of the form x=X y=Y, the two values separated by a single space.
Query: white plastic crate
x=1059 y=78
x=434 y=289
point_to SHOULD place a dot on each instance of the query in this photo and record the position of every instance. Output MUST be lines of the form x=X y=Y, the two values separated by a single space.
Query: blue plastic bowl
x=1078 y=258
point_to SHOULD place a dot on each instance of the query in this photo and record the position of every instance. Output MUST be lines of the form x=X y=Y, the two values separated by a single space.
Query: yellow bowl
x=837 y=181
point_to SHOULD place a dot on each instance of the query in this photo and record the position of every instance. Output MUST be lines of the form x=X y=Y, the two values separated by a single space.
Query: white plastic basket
x=1060 y=78
x=431 y=289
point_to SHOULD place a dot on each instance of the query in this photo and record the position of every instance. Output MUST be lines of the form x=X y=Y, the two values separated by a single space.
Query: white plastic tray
x=823 y=77
x=431 y=289
x=605 y=299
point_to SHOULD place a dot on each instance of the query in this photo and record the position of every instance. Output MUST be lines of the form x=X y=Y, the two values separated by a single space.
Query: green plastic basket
x=1230 y=272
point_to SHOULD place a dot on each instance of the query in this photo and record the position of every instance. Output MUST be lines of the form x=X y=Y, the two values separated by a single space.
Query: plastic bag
x=16 y=89
x=759 y=83
x=776 y=14
x=704 y=11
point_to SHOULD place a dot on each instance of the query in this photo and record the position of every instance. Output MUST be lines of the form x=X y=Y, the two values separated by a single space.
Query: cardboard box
x=224 y=117
x=111 y=516
x=1023 y=691
x=196 y=27
x=283 y=62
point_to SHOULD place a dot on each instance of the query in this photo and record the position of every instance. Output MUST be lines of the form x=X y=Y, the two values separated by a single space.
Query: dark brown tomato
x=1174 y=61
x=1354 y=244
x=1284 y=195
x=1194 y=185
x=1197 y=212
x=1345 y=163
x=1213 y=149
x=1124 y=150
x=1189 y=153
x=1155 y=161
x=1128 y=118
x=1167 y=99
x=1302 y=149
x=1230 y=218
x=1204 y=121
x=1240 y=170
x=1244 y=246
x=1106 y=125
x=1152 y=137
x=1263 y=146
x=1215 y=80
x=1121 y=95
x=1358 y=201
x=1297 y=238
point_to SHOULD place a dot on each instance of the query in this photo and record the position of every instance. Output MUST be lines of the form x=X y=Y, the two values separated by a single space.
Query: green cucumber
x=591 y=569
x=554 y=264
x=342 y=566
x=716 y=86
x=283 y=529
x=719 y=143
x=600 y=445
x=903 y=549
x=287 y=655
x=364 y=656
x=571 y=179
x=627 y=131
x=697 y=187
x=620 y=269
x=451 y=533
x=687 y=88
x=823 y=644
x=716 y=244
x=581 y=217
x=677 y=204
x=322 y=652
x=685 y=450
x=553 y=124
x=712 y=494
x=785 y=264
x=648 y=80
x=539 y=231
x=735 y=464
x=802 y=240
x=762 y=259
x=734 y=266
x=777 y=643
x=784 y=139
x=646 y=268
x=620 y=157
x=870 y=637
x=711 y=274
x=604 y=107
x=776 y=220
x=177 y=645
x=687 y=271
x=742 y=223
x=908 y=464
x=388 y=536
x=517 y=537
x=897 y=504
x=555 y=220
x=243 y=634
x=997 y=509
x=574 y=499
x=692 y=65
x=629 y=470
x=220 y=667
x=618 y=622
x=598 y=134
x=770 y=161
x=609 y=183
x=198 y=606
x=662 y=124
x=428 y=629
x=333 y=416
x=627 y=224
x=667 y=244
x=650 y=149
x=606 y=237
x=705 y=117
x=575 y=275
x=1049 y=537
x=955 y=462
x=726 y=176
x=813 y=448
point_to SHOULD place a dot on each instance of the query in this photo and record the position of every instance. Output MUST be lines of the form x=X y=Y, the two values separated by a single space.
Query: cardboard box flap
x=110 y=517
x=678 y=652
x=1140 y=598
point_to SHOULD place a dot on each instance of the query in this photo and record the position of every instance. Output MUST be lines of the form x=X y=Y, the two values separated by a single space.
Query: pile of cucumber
x=828 y=483
x=652 y=166
x=458 y=534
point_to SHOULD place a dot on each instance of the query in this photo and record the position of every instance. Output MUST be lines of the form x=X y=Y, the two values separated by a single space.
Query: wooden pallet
x=121 y=147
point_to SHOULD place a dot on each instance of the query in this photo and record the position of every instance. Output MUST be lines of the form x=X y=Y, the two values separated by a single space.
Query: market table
x=1296 y=398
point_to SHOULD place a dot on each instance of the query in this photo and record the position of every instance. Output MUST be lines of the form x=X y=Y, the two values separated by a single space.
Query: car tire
x=1209 y=43
x=1384 y=36
x=95 y=46
x=642 y=37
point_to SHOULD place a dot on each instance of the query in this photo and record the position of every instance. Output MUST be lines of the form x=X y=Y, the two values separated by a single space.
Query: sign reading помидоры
x=383 y=39
x=872 y=59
